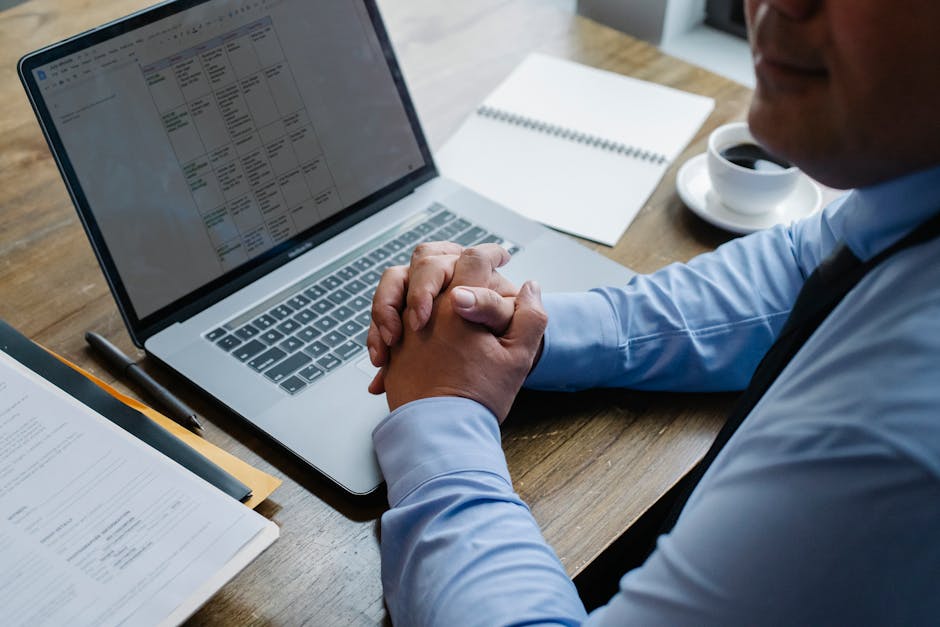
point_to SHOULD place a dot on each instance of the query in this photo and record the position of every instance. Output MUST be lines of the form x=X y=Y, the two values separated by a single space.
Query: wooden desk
x=589 y=464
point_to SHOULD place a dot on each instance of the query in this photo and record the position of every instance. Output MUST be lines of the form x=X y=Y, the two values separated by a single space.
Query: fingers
x=377 y=385
x=428 y=276
x=406 y=294
x=389 y=300
x=378 y=349
x=386 y=317
x=483 y=306
x=476 y=266
x=528 y=321
x=426 y=249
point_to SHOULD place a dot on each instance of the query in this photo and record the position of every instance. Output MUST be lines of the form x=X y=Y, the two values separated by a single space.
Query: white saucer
x=695 y=190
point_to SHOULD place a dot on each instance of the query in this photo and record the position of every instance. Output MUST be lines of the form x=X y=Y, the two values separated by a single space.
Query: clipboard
x=132 y=417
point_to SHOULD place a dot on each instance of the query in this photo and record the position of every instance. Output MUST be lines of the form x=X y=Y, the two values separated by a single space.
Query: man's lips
x=781 y=63
x=787 y=74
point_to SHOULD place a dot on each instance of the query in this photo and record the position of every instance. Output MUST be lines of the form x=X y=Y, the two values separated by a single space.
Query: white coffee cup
x=743 y=189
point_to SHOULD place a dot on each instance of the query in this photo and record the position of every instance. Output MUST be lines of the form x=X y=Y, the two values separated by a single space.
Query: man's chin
x=776 y=129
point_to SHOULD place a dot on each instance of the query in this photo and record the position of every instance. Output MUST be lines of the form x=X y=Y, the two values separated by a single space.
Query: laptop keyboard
x=310 y=329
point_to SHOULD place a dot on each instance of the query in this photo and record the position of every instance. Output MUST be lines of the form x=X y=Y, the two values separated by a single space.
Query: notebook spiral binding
x=570 y=134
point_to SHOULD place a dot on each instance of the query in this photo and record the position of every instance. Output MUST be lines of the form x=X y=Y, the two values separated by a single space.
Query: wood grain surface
x=589 y=464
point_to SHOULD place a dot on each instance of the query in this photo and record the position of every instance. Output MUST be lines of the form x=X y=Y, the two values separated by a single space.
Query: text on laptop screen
x=204 y=139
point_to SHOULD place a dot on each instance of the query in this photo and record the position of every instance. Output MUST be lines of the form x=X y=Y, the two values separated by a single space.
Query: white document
x=576 y=148
x=96 y=527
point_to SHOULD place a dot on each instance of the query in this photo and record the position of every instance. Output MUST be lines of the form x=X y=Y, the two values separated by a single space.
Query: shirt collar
x=880 y=215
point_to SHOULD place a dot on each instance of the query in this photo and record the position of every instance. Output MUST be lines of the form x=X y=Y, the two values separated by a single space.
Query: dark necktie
x=821 y=292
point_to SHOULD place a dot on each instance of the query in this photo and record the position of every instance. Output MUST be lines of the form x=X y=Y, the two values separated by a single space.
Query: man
x=824 y=506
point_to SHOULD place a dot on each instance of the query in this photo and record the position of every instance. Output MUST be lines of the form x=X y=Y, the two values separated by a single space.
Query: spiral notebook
x=573 y=147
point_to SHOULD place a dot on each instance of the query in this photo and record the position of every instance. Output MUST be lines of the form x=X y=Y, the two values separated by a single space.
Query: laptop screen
x=204 y=140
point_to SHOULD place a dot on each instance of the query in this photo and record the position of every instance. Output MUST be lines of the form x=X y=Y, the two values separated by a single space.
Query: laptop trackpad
x=581 y=270
x=366 y=366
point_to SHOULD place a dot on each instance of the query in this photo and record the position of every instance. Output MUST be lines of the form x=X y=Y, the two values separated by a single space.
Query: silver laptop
x=245 y=171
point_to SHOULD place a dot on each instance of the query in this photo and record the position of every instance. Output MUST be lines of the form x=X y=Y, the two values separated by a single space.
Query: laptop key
x=441 y=218
x=299 y=301
x=460 y=224
x=228 y=342
x=362 y=337
x=322 y=306
x=347 y=350
x=264 y=321
x=287 y=367
x=248 y=350
x=339 y=295
x=334 y=338
x=272 y=336
x=291 y=344
x=247 y=332
x=281 y=311
x=371 y=277
x=362 y=264
x=293 y=385
x=317 y=349
x=314 y=292
x=448 y=232
x=401 y=259
x=308 y=334
x=364 y=318
x=347 y=273
x=492 y=239
x=355 y=286
x=267 y=359
x=331 y=282
x=424 y=228
x=379 y=255
x=436 y=236
x=310 y=373
x=328 y=362
x=410 y=237
x=305 y=316
x=394 y=246
x=288 y=326
x=326 y=323
x=471 y=236
x=215 y=334
x=343 y=313
x=359 y=303
x=350 y=328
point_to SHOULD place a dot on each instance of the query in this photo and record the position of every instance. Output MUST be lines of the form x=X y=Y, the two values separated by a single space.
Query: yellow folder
x=261 y=483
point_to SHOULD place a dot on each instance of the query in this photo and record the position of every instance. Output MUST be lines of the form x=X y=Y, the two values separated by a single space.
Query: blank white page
x=571 y=186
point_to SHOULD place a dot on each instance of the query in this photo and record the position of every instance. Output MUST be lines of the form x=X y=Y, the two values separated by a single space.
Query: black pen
x=177 y=410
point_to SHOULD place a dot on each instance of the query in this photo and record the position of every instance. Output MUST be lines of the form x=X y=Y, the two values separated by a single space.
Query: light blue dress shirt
x=823 y=508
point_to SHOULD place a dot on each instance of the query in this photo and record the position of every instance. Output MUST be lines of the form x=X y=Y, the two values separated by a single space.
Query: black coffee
x=754 y=157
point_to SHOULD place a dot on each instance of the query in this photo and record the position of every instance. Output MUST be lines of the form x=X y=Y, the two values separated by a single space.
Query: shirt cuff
x=437 y=436
x=581 y=341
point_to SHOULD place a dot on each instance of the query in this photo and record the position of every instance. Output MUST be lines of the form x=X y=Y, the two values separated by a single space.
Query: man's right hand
x=405 y=294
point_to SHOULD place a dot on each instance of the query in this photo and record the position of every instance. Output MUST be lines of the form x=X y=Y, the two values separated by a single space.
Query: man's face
x=848 y=90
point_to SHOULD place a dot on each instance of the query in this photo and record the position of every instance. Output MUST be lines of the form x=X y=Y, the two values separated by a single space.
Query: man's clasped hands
x=450 y=325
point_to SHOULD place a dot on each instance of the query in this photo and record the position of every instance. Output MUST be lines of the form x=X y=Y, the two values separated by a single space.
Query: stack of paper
x=97 y=527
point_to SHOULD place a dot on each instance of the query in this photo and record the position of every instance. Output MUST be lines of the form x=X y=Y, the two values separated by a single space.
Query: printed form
x=97 y=528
